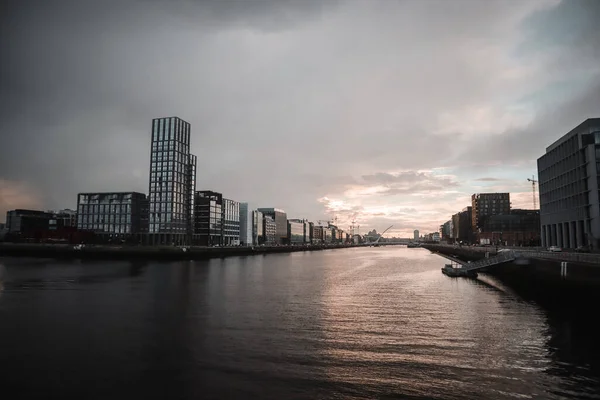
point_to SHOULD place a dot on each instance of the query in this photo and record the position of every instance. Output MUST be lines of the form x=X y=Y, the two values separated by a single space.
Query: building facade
x=295 y=231
x=246 y=227
x=270 y=230
x=415 y=235
x=114 y=214
x=208 y=218
x=280 y=218
x=172 y=182
x=231 y=223
x=519 y=228
x=569 y=186
x=484 y=205
x=465 y=225
x=257 y=228
x=26 y=222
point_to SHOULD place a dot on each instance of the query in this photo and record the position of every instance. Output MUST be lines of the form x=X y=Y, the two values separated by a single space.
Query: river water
x=361 y=323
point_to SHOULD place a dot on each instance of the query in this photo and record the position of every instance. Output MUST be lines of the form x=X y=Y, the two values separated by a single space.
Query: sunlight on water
x=353 y=324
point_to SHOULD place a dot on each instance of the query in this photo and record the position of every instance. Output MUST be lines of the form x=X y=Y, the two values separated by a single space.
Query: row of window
x=107 y=228
x=168 y=156
x=171 y=129
x=104 y=218
x=104 y=199
x=170 y=145
x=104 y=208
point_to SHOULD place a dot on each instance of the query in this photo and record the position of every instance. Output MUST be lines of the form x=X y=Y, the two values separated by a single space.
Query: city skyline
x=388 y=112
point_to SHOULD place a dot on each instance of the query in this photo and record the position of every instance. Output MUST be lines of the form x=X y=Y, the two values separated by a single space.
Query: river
x=359 y=323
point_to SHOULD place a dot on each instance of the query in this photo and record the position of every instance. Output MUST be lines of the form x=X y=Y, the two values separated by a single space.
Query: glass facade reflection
x=208 y=223
x=295 y=231
x=280 y=218
x=172 y=178
x=121 y=213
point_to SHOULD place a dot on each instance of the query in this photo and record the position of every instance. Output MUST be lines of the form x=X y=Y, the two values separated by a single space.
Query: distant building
x=569 y=187
x=257 y=228
x=446 y=231
x=295 y=231
x=435 y=236
x=208 y=218
x=117 y=215
x=172 y=182
x=519 y=228
x=64 y=218
x=270 y=230
x=465 y=225
x=27 y=222
x=484 y=205
x=245 y=225
x=416 y=235
x=231 y=222
x=280 y=219
x=317 y=234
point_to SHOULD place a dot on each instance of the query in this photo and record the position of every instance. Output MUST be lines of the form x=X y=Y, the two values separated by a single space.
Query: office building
x=270 y=230
x=26 y=223
x=257 y=228
x=465 y=225
x=415 y=234
x=569 y=187
x=172 y=182
x=113 y=214
x=519 y=228
x=484 y=205
x=246 y=228
x=295 y=231
x=231 y=223
x=208 y=218
x=280 y=219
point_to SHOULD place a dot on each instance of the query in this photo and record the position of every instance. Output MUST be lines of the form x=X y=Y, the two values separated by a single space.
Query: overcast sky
x=391 y=112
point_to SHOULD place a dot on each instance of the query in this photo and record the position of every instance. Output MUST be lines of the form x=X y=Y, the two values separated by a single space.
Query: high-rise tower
x=172 y=182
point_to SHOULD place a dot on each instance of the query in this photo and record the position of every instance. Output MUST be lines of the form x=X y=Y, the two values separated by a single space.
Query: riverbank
x=552 y=282
x=149 y=253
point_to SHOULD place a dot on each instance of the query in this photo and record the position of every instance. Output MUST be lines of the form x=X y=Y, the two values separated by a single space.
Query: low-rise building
x=113 y=216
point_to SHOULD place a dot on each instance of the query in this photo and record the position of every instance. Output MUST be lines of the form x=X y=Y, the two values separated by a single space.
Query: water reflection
x=358 y=323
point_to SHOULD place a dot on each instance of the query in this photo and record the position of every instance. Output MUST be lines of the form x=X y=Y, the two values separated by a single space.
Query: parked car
x=582 y=249
x=554 y=249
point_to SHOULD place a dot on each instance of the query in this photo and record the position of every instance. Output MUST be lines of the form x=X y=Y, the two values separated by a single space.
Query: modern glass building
x=231 y=223
x=172 y=182
x=245 y=224
x=208 y=218
x=257 y=228
x=295 y=231
x=280 y=218
x=569 y=185
x=119 y=214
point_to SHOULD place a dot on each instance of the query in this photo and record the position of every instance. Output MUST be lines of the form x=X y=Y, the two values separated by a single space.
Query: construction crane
x=533 y=183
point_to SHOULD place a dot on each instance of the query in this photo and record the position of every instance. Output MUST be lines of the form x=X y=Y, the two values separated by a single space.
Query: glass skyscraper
x=172 y=182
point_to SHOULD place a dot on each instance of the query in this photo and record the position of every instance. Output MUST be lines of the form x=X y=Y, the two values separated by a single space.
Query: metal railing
x=560 y=256
x=503 y=257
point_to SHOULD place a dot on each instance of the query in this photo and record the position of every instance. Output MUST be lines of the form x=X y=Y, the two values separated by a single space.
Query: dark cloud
x=290 y=101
